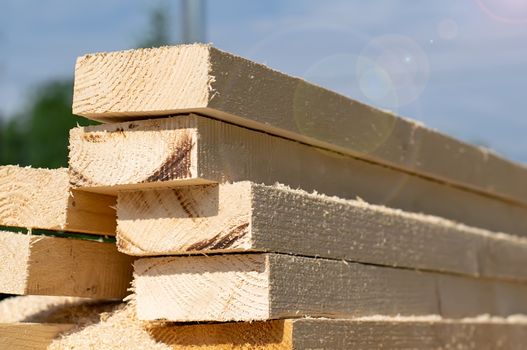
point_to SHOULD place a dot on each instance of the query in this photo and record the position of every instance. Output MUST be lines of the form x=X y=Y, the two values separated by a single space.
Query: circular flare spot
x=509 y=11
x=393 y=71
x=447 y=29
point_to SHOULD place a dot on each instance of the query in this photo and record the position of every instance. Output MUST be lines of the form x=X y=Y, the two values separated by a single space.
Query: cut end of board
x=34 y=198
x=34 y=336
x=229 y=287
x=116 y=155
x=14 y=253
x=38 y=198
x=44 y=265
x=187 y=67
x=185 y=220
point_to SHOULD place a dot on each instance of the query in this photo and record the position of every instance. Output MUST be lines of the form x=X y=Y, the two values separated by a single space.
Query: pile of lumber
x=52 y=238
x=284 y=215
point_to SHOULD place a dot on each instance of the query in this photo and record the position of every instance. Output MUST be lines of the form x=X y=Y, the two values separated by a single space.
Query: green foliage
x=12 y=146
x=49 y=125
x=159 y=28
x=39 y=135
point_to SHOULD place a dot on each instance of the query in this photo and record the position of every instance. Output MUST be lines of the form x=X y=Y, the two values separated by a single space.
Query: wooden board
x=44 y=265
x=188 y=150
x=42 y=198
x=248 y=287
x=244 y=216
x=202 y=79
x=325 y=334
x=30 y=336
x=302 y=334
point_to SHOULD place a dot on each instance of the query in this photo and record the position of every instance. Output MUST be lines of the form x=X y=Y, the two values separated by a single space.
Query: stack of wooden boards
x=52 y=238
x=250 y=195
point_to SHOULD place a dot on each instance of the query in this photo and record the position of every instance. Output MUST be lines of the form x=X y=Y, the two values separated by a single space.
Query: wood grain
x=341 y=334
x=249 y=287
x=30 y=336
x=325 y=334
x=202 y=79
x=43 y=199
x=243 y=216
x=303 y=334
x=274 y=335
x=187 y=150
x=43 y=265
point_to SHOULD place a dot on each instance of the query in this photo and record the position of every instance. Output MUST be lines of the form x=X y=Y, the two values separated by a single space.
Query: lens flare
x=305 y=43
x=508 y=11
x=338 y=72
x=393 y=71
x=447 y=29
x=369 y=75
x=376 y=84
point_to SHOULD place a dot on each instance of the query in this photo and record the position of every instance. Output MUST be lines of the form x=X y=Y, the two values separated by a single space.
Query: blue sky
x=457 y=66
